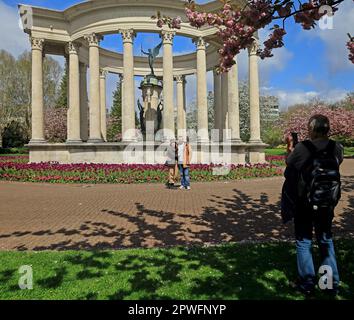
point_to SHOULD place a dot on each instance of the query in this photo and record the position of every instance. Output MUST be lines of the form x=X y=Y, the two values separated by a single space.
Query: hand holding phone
x=292 y=140
x=295 y=139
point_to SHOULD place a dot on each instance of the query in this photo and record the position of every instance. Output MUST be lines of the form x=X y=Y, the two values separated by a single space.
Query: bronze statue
x=152 y=55
x=159 y=115
x=141 y=116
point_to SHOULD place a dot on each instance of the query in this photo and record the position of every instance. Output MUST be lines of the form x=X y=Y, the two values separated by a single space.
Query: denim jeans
x=185 y=179
x=322 y=223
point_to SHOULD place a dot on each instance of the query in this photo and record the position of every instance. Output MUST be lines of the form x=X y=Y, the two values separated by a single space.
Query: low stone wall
x=144 y=153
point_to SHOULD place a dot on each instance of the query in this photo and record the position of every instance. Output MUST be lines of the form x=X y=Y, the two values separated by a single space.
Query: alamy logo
x=326 y=21
x=326 y=279
x=26 y=280
x=26 y=17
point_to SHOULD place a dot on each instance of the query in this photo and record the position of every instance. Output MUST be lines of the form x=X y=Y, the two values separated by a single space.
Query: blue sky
x=312 y=63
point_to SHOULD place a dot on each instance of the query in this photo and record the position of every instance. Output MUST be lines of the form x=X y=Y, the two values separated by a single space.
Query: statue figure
x=159 y=115
x=141 y=116
x=152 y=54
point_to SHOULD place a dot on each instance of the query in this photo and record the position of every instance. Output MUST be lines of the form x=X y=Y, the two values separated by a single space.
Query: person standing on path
x=184 y=161
x=172 y=164
x=315 y=166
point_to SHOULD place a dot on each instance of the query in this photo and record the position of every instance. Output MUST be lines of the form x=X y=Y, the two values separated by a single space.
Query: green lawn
x=14 y=151
x=275 y=152
x=252 y=271
x=348 y=152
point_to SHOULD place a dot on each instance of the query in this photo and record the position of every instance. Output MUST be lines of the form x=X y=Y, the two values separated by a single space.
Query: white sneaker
x=188 y=188
x=181 y=187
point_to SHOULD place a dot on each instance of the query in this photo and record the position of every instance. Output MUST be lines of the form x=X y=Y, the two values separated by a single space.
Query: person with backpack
x=314 y=191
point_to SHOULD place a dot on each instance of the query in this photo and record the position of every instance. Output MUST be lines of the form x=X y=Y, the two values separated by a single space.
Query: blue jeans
x=322 y=223
x=185 y=179
x=305 y=264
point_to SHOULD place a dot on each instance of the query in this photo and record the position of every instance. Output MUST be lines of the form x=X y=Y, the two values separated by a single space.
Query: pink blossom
x=341 y=121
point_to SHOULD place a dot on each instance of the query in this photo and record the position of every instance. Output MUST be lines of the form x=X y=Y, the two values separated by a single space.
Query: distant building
x=269 y=108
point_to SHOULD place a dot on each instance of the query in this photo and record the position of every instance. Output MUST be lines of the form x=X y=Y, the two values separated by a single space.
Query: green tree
x=114 y=128
x=7 y=90
x=269 y=116
x=192 y=114
x=62 y=100
x=15 y=89
x=346 y=103
x=211 y=110
x=52 y=72
x=244 y=111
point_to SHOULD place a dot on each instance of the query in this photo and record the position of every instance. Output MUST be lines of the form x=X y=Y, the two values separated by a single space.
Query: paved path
x=48 y=216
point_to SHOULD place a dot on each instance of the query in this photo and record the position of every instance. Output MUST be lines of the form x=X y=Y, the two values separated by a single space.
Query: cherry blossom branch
x=350 y=46
x=236 y=28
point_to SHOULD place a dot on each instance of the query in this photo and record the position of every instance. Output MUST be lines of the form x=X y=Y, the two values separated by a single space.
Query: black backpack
x=319 y=183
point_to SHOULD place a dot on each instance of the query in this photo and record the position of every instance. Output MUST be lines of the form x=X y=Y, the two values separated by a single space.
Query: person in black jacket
x=305 y=217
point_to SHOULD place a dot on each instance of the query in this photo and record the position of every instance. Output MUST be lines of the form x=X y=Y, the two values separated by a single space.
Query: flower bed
x=276 y=160
x=6 y=158
x=17 y=169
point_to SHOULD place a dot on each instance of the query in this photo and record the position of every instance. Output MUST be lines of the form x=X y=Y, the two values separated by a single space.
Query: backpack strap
x=331 y=146
x=310 y=147
x=330 y=150
x=312 y=150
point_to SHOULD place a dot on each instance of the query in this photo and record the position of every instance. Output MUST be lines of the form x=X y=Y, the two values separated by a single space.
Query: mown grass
x=233 y=271
x=348 y=152
x=14 y=151
x=275 y=152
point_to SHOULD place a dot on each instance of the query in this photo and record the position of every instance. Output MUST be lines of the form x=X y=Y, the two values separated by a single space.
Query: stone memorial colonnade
x=76 y=34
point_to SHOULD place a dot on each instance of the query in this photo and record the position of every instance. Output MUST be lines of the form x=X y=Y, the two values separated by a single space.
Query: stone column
x=103 y=104
x=67 y=65
x=168 y=112
x=181 y=107
x=37 y=91
x=84 y=109
x=254 y=93
x=121 y=78
x=74 y=95
x=224 y=102
x=95 y=114
x=128 y=106
x=202 y=101
x=217 y=102
x=234 y=105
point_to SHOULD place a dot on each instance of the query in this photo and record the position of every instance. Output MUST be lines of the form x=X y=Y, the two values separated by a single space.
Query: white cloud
x=318 y=82
x=12 y=37
x=288 y=98
x=335 y=50
x=267 y=66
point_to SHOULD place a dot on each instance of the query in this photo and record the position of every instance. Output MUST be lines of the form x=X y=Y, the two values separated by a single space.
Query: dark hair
x=319 y=124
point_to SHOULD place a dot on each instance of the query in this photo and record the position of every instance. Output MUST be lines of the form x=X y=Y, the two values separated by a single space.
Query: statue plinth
x=151 y=109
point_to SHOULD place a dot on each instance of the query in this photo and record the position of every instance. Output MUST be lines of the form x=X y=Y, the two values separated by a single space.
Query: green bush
x=22 y=150
x=273 y=136
x=14 y=136
x=345 y=141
